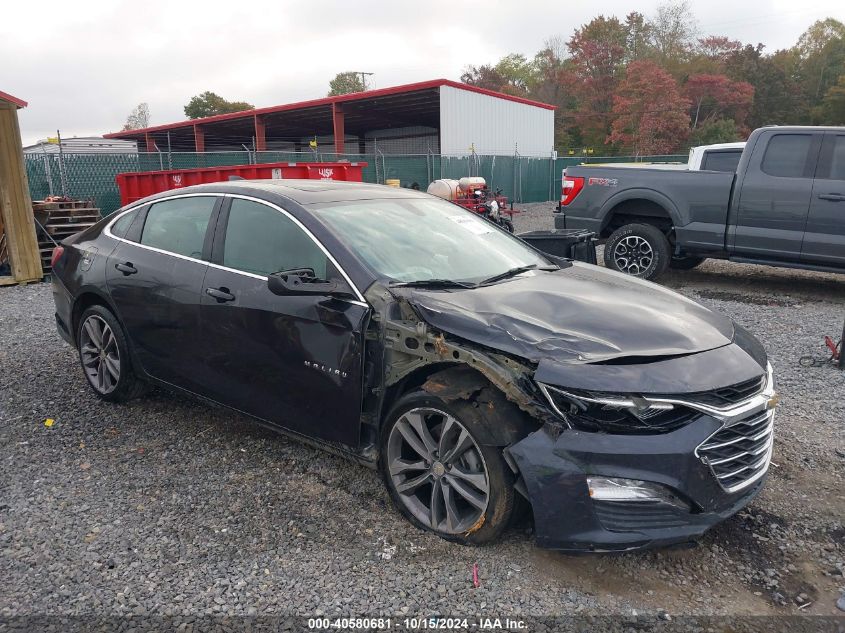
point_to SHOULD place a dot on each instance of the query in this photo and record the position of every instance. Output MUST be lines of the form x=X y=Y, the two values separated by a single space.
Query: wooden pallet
x=42 y=205
x=61 y=220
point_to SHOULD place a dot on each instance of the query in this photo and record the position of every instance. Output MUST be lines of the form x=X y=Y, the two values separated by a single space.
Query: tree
x=346 y=83
x=820 y=55
x=209 y=104
x=778 y=98
x=139 y=118
x=672 y=32
x=716 y=96
x=718 y=131
x=650 y=115
x=638 y=37
x=833 y=106
x=598 y=53
x=513 y=74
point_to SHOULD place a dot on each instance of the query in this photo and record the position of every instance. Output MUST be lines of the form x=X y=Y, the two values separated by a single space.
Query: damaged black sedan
x=423 y=340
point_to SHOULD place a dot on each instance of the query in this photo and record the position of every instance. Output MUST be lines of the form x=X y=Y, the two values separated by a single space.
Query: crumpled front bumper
x=554 y=467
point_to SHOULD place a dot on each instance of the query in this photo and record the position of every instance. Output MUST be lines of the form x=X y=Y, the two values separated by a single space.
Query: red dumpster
x=136 y=185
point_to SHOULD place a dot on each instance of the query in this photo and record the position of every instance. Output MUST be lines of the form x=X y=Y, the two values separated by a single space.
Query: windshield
x=418 y=239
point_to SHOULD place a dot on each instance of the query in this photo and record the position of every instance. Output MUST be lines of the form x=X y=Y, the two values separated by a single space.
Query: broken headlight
x=614 y=413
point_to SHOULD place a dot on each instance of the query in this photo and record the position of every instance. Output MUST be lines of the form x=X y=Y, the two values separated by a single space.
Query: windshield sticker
x=603 y=182
x=471 y=224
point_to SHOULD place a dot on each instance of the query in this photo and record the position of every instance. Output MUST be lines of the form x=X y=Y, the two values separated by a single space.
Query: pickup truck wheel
x=640 y=250
x=685 y=263
x=440 y=475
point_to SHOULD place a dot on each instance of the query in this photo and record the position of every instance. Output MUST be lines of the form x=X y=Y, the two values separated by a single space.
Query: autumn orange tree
x=650 y=114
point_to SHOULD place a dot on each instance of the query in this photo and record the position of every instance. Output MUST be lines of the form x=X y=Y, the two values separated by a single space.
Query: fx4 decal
x=603 y=182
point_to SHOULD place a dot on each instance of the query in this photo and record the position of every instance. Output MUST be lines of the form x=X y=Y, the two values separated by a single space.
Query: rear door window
x=721 y=160
x=179 y=226
x=786 y=155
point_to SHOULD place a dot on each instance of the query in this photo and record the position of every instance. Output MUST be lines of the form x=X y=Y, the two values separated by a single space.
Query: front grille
x=739 y=454
x=627 y=516
x=728 y=396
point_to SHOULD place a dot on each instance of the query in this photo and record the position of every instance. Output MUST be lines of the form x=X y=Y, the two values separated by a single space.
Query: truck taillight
x=572 y=186
x=57 y=253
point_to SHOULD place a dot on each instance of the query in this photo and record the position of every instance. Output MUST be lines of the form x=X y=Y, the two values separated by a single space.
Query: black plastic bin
x=577 y=244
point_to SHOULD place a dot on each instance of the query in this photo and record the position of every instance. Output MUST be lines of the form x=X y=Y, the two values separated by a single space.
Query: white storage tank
x=444 y=188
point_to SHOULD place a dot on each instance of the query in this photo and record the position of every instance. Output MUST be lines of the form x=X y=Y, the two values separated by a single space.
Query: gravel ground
x=169 y=506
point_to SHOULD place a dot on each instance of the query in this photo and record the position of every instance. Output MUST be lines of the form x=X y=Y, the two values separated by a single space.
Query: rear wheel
x=640 y=250
x=440 y=476
x=104 y=355
x=685 y=263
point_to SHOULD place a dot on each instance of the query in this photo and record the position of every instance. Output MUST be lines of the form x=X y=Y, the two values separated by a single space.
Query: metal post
x=47 y=171
x=62 y=174
x=842 y=349
x=375 y=157
x=428 y=163
x=169 y=159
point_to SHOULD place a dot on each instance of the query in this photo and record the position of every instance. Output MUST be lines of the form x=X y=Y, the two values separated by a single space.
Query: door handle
x=126 y=268
x=834 y=197
x=221 y=294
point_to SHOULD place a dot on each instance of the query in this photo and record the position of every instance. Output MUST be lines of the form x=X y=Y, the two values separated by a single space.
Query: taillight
x=57 y=254
x=572 y=186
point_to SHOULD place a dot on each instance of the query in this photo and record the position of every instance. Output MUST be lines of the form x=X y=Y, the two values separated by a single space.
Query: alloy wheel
x=100 y=355
x=633 y=255
x=438 y=470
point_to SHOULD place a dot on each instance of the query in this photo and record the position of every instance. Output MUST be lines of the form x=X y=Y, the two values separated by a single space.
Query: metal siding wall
x=493 y=126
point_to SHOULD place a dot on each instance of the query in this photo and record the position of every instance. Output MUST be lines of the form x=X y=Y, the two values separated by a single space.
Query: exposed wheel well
x=412 y=381
x=637 y=212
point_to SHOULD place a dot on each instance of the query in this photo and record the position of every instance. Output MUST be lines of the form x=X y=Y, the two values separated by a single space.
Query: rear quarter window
x=786 y=155
x=721 y=160
x=121 y=227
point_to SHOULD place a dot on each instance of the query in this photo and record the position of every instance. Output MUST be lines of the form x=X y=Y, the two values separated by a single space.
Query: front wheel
x=439 y=475
x=640 y=250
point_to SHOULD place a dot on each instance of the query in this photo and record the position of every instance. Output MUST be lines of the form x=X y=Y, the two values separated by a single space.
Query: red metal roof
x=354 y=96
x=4 y=96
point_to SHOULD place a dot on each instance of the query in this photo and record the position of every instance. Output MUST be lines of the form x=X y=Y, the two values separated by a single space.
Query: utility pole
x=363 y=77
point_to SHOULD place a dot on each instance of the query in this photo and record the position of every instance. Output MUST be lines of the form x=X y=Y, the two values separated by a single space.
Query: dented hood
x=577 y=314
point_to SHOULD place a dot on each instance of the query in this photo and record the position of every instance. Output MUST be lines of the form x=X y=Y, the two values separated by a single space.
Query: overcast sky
x=83 y=65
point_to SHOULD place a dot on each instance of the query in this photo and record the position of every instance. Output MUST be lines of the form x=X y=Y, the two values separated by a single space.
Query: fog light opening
x=636 y=490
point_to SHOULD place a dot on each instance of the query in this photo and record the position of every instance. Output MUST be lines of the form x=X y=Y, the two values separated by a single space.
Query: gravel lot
x=169 y=506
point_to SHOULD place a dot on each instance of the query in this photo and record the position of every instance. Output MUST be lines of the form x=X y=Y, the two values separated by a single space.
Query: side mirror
x=287 y=284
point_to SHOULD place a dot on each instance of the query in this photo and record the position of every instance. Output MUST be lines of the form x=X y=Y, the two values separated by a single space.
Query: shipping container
x=136 y=185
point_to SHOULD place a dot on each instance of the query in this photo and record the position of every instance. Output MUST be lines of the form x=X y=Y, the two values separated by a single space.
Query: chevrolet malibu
x=424 y=341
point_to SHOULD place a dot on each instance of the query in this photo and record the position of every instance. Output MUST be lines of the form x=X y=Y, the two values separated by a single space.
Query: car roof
x=300 y=191
x=737 y=145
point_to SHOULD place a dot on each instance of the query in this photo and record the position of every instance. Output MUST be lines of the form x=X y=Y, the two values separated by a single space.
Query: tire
x=434 y=470
x=105 y=357
x=640 y=250
x=507 y=225
x=685 y=263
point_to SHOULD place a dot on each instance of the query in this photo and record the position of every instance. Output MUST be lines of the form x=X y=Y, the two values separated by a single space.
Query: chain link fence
x=521 y=178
